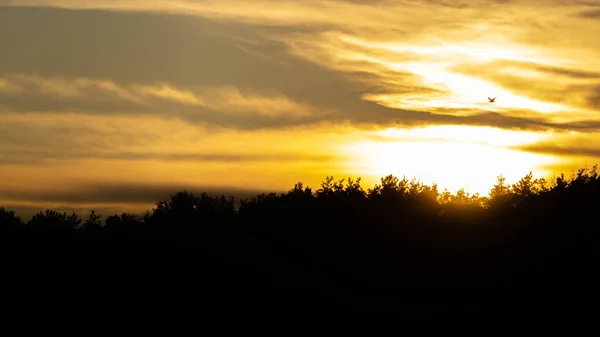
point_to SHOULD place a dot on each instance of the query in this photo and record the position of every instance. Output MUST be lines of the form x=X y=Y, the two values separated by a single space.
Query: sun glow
x=460 y=133
x=454 y=157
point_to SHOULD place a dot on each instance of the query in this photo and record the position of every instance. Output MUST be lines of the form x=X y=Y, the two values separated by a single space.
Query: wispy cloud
x=107 y=193
x=589 y=14
x=570 y=144
x=228 y=100
x=233 y=107
x=8 y=87
x=73 y=137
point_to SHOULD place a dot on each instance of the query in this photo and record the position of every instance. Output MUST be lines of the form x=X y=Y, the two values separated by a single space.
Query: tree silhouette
x=10 y=225
x=52 y=223
x=399 y=244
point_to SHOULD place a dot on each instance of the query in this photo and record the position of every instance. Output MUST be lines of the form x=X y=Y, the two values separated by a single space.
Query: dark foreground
x=528 y=250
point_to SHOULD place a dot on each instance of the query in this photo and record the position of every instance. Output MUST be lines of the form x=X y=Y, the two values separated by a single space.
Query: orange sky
x=243 y=96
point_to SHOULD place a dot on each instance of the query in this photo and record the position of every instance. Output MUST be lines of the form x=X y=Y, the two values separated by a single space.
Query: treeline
x=344 y=201
x=399 y=242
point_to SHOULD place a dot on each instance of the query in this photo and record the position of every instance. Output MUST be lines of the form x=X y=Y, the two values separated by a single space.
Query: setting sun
x=454 y=157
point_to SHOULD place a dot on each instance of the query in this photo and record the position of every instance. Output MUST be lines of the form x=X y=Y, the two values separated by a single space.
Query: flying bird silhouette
x=492 y=99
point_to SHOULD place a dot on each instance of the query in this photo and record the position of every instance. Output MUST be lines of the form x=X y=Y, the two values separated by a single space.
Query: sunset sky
x=112 y=104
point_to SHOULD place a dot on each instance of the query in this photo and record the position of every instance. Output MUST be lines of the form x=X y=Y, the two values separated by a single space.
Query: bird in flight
x=492 y=99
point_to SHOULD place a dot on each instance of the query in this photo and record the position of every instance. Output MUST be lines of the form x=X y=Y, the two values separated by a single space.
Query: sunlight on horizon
x=454 y=157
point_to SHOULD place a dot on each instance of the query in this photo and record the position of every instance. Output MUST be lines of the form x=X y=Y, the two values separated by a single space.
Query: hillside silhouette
x=401 y=246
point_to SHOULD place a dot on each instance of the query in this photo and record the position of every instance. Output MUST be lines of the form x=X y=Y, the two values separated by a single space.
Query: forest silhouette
x=399 y=246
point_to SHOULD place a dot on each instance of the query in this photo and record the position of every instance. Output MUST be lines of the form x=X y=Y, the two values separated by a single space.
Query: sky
x=113 y=105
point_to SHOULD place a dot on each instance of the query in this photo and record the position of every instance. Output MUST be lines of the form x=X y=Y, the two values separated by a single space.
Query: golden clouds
x=451 y=78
